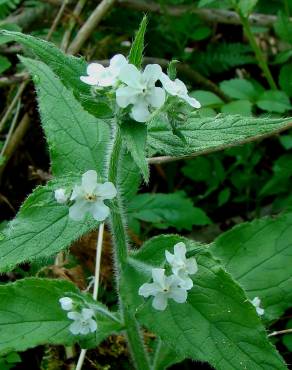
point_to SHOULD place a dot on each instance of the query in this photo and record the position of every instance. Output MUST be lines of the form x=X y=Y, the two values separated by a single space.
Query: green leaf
x=67 y=68
x=167 y=210
x=258 y=255
x=274 y=101
x=286 y=141
x=283 y=27
x=134 y=137
x=242 y=107
x=4 y=64
x=77 y=140
x=164 y=357
x=136 y=52
x=207 y=98
x=201 y=33
x=223 y=196
x=217 y=324
x=31 y=315
x=285 y=79
x=210 y=133
x=41 y=228
x=246 y=6
x=238 y=88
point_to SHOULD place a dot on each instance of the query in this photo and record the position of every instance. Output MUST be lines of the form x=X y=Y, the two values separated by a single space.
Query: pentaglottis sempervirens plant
x=104 y=125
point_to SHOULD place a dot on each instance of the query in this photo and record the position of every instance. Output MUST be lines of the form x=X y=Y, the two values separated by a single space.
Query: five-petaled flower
x=66 y=303
x=101 y=76
x=61 y=196
x=178 y=88
x=140 y=90
x=83 y=321
x=89 y=196
x=163 y=288
x=256 y=302
x=181 y=266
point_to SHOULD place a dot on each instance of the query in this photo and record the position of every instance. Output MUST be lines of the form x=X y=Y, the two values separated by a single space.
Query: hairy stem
x=135 y=341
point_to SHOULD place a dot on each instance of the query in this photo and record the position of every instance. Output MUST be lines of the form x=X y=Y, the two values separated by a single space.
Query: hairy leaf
x=136 y=52
x=258 y=254
x=217 y=324
x=211 y=134
x=31 y=315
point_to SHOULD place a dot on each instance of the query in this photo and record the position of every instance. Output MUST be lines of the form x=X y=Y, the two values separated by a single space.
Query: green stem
x=257 y=50
x=118 y=227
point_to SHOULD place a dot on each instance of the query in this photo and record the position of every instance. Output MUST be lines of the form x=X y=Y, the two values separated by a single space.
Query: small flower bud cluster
x=256 y=302
x=137 y=88
x=174 y=286
x=88 y=197
x=83 y=321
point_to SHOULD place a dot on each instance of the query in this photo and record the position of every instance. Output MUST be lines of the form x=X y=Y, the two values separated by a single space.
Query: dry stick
x=11 y=80
x=11 y=129
x=279 y=332
x=57 y=20
x=15 y=139
x=209 y=15
x=96 y=284
x=89 y=26
x=168 y=159
x=76 y=13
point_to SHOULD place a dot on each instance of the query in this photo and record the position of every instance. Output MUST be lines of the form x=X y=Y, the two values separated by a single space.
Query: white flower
x=66 y=303
x=181 y=266
x=83 y=322
x=61 y=196
x=256 y=302
x=89 y=198
x=98 y=75
x=140 y=91
x=163 y=288
x=178 y=88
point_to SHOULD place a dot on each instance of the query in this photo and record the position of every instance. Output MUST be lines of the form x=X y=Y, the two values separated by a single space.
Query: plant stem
x=135 y=341
x=257 y=50
x=96 y=285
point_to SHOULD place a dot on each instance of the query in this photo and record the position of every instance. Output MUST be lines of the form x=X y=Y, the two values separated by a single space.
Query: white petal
x=169 y=257
x=157 y=97
x=89 y=181
x=168 y=84
x=99 y=211
x=94 y=71
x=256 y=301
x=106 y=190
x=75 y=327
x=260 y=311
x=66 y=303
x=180 y=251
x=87 y=313
x=160 y=302
x=192 y=266
x=140 y=112
x=92 y=325
x=159 y=277
x=79 y=209
x=90 y=80
x=125 y=96
x=117 y=62
x=191 y=101
x=131 y=76
x=84 y=329
x=151 y=74
x=61 y=196
x=180 y=87
x=179 y=295
x=77 y=192
x=146 y=290
x=186 y=282
x=74 y=315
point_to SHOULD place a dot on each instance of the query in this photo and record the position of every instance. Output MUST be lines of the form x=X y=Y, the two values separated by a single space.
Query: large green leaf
x=137 y=48
x=217 y=324
x=258 y=254
x=77 y=140
x=68 y=68
x=31 y=315
x=211 y=133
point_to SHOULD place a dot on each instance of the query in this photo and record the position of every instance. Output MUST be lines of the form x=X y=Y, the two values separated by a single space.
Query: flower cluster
x=137 y=88
x=88 y=197
x=256 y=302
x=83 y=322
x=174 y=286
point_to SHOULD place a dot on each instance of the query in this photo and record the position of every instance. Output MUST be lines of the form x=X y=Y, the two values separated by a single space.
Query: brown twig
x=168 y=159
x=86 y=30
x=279 y=332
x=57 y=20
x=11 y=80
